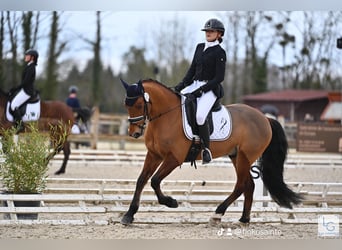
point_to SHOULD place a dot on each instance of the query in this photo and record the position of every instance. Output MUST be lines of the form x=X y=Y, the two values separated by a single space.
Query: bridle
x=146 y=116
x=137 y=119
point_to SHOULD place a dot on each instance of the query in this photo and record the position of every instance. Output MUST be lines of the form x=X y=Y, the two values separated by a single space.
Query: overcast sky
x=122 y=29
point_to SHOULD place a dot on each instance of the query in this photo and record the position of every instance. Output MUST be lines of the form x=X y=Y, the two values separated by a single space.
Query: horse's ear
x=125 y=84
x=139 y=83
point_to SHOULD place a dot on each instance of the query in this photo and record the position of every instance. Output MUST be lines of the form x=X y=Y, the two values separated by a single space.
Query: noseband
x=135 y=120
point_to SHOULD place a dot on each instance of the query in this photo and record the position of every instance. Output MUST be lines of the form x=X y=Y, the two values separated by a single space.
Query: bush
x=25 y=165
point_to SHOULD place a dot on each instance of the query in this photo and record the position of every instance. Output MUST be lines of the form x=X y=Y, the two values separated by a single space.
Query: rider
x=72 y=100
x=204 y=77
x=26 y=89
x=81 y=114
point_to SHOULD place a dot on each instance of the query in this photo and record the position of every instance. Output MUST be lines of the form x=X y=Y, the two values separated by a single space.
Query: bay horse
x=155 y=110
x=52 y=113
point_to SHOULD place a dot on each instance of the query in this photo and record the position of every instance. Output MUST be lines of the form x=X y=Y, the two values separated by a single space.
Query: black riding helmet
x=214 y=24
x=33 y=53
x=73 y=89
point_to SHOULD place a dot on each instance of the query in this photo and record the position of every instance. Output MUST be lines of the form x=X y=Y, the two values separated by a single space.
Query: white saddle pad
x=32 y=112
x=221 y=120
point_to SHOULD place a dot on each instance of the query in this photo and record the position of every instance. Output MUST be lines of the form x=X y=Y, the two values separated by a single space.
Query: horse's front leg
x=168 y=165
x=150 y=165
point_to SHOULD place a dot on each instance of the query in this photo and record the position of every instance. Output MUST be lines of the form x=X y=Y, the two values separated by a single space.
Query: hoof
x=169 y=202
x=59 y=172
x=215 y=219
x=126 y=220
x=244 y=220
x=173 y=204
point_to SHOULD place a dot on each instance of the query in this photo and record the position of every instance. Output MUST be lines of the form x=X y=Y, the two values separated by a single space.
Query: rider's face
x=28 y=58
x=211 y=35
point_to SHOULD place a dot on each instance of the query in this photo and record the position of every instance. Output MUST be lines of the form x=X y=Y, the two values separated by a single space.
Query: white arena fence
x=104 y=201
x=136 y=158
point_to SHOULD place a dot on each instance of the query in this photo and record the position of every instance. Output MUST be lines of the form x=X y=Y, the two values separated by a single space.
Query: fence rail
x=103 y=201
x=105 y=127
x=136 y=157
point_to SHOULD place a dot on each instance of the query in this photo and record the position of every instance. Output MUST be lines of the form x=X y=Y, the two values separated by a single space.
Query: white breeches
x=204 y=103
x=19 y=99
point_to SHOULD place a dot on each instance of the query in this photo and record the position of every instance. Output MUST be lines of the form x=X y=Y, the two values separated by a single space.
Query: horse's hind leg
x=66 y=153
x=247 y=205
x=150 y=166
x=168 y=165
x=244 y=185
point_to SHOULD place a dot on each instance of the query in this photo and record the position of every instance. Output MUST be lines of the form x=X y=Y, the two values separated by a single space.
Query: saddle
x=190 y=110
x=29 y=110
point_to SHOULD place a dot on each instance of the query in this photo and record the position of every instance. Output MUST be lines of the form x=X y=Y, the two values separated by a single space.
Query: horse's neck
x=162 y=100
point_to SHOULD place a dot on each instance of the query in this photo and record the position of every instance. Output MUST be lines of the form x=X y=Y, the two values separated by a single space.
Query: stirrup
x=206 y=156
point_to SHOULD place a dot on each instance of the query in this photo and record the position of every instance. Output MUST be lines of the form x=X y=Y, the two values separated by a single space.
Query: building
x=294 y=105
x=333 y=111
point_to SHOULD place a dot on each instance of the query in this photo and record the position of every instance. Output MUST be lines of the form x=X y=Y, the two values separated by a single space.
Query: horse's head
x=136 y=103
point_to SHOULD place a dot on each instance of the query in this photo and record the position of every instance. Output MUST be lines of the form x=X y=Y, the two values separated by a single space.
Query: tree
x=13 y=25
x=231 y=40
x=18 y=30
x=2 y=39
x=30 y=29
x=258 y=59
x=311 y=66
x=95 y=45
x=285 y=39
x=172 y=41
x=96 y=86
x=55 y=49
x=137 y=66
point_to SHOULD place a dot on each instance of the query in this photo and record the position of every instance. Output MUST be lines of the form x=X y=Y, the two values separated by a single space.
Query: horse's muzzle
x=136 y=135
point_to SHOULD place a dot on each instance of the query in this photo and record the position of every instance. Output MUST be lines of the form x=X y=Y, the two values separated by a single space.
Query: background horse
x=52 y=113
x=253 y=137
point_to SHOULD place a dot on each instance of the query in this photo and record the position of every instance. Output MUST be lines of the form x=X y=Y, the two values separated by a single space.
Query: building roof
x=290 y=95
x=333 y=111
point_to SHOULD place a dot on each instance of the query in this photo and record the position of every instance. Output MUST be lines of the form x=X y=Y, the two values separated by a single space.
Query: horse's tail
x=272 y=167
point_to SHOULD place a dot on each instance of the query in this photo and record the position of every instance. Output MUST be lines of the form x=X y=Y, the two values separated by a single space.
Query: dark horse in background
x=52 y=113
x=158 y=109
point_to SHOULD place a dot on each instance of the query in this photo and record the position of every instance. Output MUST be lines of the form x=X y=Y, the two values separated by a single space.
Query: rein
x=163 y=113
x=146 y=116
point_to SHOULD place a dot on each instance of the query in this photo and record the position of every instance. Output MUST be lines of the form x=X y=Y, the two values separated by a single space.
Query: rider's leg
x=204 y=105
x=204 y=135
x=17 y=101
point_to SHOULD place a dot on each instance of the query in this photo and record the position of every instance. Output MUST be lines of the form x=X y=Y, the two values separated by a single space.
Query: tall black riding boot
x=204 y=135
x=17 y=120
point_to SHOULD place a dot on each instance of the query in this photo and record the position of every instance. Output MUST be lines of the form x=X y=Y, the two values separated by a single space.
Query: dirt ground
x=174 y=231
